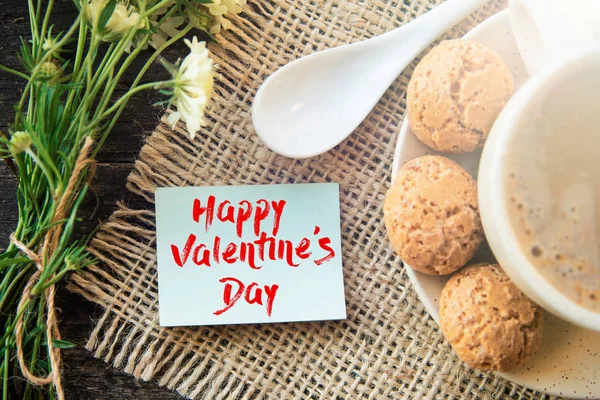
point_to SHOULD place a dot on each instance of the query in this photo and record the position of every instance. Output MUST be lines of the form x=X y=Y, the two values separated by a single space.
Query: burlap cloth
x=389 y=347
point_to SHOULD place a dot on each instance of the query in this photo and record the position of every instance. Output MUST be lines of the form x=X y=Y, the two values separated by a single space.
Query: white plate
x=568 y=361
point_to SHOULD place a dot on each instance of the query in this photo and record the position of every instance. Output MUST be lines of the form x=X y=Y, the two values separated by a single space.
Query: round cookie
x=455 y=94
x=431 y=215
x=489 y=322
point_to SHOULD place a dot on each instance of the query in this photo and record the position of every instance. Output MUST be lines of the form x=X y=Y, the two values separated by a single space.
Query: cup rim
x=492 y=191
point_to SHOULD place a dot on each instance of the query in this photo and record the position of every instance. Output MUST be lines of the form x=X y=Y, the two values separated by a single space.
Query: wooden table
x=84 y=377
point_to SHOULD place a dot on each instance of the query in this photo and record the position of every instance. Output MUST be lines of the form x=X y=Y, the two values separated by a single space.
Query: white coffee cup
x=548 y=30
x=578 y=70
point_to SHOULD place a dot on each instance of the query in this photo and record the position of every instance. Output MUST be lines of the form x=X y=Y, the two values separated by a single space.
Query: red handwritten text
x=253 y=253
x=266 y=246
x=238 y=214
x=252 y=294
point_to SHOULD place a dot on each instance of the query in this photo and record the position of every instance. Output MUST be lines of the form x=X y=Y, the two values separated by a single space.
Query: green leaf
x=146 y=31
x=13 y=261
x=62 y=344
x=170 y=67
x=203 y=1
x=37 y=331
x=25 y=56
x=42 y=364
x=106 y=13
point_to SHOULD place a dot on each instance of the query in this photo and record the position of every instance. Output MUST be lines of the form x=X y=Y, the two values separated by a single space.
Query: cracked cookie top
x=489 y=322
x=455 y=94
x=432 y=216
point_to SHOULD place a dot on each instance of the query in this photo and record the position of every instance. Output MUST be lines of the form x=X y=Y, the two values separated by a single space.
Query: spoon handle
x=404 y=44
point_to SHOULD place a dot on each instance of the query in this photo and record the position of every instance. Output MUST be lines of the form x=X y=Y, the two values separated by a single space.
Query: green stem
x=79 y=52
x=131 y=92
x=14 y=282
x=156 y=7
x=76 y=76
x=33 y=25
x=9 y=331
x=93 y=50
x=12 y=261
x=46 y=19
x=102 y=66
x=41 y=286
x=114 y=58
x=5 y=369
x=46 y=56
x=14 y=72
x=158 y=52
x=38 y=10
x=43 y=168
x=87 y=98
x=6 y=282
x=141 y=74
x=36 y=341
x=32 y=101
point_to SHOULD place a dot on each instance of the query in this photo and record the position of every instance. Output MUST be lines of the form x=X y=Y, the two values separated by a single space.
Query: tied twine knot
x=49 y=246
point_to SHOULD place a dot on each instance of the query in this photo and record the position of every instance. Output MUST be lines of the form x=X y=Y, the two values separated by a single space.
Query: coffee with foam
x=553 y=186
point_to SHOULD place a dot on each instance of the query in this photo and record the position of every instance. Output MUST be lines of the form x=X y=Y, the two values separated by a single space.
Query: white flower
x=193 y=87
x=123 y=18
x=219 y=10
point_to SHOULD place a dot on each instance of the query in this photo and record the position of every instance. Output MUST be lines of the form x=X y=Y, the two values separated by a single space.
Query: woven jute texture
x=388 y=347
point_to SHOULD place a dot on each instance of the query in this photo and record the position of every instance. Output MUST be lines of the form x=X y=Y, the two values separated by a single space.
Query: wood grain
x=84 y=376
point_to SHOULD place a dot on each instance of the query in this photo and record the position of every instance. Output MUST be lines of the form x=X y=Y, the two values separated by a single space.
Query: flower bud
x=47 y=71
x=19 y=142
x=48 y=43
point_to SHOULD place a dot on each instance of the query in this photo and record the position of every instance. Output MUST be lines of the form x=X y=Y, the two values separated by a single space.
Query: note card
x=249 y=254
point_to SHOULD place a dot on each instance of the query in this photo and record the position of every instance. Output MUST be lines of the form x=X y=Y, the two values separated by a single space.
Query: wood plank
x=107 y=188
x=138 y=120
x=86 y=377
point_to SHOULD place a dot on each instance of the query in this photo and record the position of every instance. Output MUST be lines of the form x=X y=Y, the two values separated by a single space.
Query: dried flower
x=123 y=18
x=193 y=87
x=20 y=141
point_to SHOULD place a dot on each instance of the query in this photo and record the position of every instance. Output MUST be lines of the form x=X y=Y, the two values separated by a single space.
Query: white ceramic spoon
x=310 y=105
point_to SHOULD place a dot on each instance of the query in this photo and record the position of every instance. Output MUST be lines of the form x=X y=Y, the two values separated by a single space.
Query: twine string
x=51 y=239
